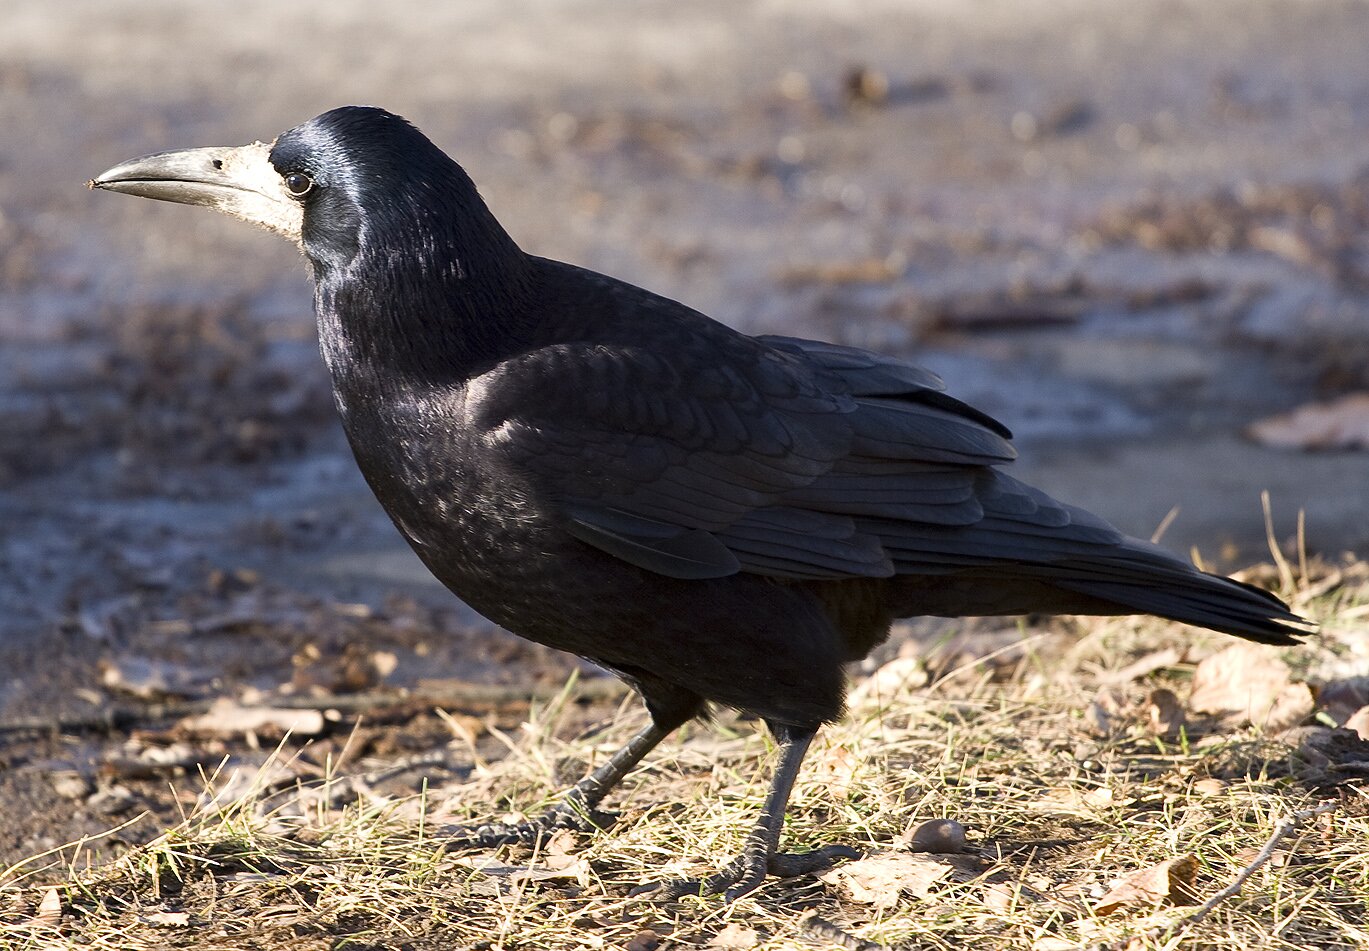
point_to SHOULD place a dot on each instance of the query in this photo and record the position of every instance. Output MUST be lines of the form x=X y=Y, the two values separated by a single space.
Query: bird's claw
x=567 y=814
x=746 y=872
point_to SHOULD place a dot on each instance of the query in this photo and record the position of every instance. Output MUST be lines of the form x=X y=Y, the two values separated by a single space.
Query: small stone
x=644 y=940
x=111 y=800
x=1209 y=787
x=70 y=784
x=945 y=836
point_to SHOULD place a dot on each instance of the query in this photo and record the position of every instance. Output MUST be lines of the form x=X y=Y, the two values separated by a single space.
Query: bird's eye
x=298 y=184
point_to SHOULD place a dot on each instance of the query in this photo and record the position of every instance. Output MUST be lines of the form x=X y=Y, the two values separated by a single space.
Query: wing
x=712 y=452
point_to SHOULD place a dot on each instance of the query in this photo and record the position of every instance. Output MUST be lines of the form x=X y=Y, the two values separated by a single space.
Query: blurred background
x=1130 y=231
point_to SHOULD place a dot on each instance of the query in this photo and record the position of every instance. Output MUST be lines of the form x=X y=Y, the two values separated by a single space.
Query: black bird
x=712 y=516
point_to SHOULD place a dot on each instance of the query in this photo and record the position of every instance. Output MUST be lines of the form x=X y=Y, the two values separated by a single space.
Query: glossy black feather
x=713 y=515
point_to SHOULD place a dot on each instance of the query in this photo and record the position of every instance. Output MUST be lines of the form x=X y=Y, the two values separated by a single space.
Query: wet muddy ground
x=1127 y=232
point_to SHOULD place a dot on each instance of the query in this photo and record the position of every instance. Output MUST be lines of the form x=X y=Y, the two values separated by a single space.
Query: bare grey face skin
x=240 y=182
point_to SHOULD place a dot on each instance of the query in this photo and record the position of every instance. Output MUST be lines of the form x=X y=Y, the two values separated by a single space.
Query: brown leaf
x=1250 y=683
x=578 y=871
x=1341 y=699
x=227 y=716
x=1166 y=713
x=1210 y=787
x=898 y=677
x=557 y=854
x=735 y=937
x=1169 y=882
x=880 y=879
x=150 y=679
x=49 y=914
x=1106 y=710
x=1359 y=722
x=1074 y=801
x=1340 y=424
x=1145 y=666
x=836 y=769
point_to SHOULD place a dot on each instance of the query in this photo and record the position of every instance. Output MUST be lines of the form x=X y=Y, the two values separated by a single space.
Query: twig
x=1282 y=830
x=458 y=696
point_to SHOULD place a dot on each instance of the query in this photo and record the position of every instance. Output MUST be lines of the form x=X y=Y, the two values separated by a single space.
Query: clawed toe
x=792 y=865
x=564 y=815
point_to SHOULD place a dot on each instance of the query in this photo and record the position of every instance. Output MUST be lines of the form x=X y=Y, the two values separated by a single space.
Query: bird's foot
x=570 y=813
x=746 y=872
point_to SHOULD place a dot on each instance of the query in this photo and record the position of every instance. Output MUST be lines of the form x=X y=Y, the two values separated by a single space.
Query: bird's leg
x=760 y=855
x=576 y=810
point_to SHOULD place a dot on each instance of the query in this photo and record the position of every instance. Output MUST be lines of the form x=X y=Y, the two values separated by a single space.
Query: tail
x=1173 y=590
x=1141 y=578
x=1127 y=577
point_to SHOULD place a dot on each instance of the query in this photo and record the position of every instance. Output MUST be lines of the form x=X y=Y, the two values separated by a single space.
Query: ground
x=1130 y=233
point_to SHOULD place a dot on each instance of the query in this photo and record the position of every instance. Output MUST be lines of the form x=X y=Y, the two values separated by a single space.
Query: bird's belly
x=745 y=641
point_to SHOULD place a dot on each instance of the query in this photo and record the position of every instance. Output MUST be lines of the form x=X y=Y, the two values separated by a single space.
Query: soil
x=1128 y=232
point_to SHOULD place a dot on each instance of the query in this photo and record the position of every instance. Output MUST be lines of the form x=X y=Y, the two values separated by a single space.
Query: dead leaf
x=1052 y=943
x=1000 y=898
x=227 y=716
x=895 y=678
x=1210 y=787
x=148 y=679
x=1250 y=683
x=578 y=871
x=1340 y=424
x=556 y=853
x=237 y=780
x=1074 y=801
x=836 y=769
x=1106 y=710
x=735 y=937
x=880 y=879
x=1169 y=882
x=1324 y=755
x=354 y=669
x=49 y=914
x=1359 y=722
x=146 y=762
x=1340 y=699
x=1166 y=713
x=168 y=919
x=1145 y=666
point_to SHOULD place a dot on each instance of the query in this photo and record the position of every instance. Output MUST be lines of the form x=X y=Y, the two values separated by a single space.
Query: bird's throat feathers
x=430 y=317
x=428 y=291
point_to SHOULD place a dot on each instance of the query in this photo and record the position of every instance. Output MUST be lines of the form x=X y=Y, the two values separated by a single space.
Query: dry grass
x=1059 y=801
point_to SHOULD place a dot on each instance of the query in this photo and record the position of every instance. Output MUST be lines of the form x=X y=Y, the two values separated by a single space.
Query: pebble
x=938 y=835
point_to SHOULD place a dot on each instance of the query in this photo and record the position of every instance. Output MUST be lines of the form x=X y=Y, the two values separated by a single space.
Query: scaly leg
x=761 y=856
x=576 y=810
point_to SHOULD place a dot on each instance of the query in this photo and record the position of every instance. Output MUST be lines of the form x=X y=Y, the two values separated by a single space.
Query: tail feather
x=1132 y=577
x=1219 y=604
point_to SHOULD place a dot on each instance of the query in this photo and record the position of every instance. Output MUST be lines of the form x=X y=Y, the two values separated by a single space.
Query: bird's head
x=354 y=176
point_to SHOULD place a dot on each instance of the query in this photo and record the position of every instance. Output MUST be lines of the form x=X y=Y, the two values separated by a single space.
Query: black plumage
x=713 y=516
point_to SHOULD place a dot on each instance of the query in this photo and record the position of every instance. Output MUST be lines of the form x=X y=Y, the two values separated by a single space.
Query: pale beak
x=240 y=182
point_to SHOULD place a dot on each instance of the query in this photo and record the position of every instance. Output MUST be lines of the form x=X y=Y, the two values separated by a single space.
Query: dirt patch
x=162 y=386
